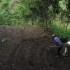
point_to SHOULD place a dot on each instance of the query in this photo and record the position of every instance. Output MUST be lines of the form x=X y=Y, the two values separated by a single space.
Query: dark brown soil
x=29 y=49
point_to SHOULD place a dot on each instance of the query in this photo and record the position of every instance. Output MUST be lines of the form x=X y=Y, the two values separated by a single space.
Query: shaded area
x=17 y=53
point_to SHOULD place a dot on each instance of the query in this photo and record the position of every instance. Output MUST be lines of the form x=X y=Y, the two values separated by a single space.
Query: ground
x=29 y=49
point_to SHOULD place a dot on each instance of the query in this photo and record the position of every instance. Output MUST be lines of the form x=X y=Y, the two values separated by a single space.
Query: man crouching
x=58 y=43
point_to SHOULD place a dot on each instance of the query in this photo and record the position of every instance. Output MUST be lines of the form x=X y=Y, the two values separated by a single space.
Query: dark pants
x=58 y=50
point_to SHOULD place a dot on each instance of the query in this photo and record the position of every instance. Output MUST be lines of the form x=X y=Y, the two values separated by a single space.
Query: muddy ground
x=29 y=49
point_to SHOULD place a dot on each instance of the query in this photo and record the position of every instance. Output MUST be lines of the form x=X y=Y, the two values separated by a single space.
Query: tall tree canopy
x=34 y=10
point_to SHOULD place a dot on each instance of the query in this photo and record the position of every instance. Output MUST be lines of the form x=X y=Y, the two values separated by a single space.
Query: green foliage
x=61 y=30
x=37 y=12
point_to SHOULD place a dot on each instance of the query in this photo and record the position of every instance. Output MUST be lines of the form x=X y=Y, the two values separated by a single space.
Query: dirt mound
x=33 y=32
x=31 y=53
x=10 y=37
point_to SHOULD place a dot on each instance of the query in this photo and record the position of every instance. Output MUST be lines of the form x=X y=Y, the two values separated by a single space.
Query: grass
x=61 y=30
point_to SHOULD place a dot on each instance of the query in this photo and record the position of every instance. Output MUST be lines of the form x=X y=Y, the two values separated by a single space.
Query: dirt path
x=19 y=53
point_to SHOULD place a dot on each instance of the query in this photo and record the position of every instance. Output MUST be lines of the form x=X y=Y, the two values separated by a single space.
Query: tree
x=43 y=11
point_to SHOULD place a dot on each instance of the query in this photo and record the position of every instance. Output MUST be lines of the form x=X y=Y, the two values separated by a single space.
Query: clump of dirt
x=29 y=50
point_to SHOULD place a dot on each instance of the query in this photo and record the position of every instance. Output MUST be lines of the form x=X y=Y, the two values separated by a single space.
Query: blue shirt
x=58 y=41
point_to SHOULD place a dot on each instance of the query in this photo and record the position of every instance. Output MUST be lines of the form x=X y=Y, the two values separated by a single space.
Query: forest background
x=53 y=14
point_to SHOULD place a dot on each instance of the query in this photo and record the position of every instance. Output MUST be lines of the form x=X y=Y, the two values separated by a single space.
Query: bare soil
x=29 y=49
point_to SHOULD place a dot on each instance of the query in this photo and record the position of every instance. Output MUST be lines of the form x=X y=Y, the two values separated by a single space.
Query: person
x=58 y=43
x=67 y=45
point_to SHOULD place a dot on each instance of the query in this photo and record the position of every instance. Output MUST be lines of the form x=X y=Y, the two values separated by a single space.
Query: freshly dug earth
x=22 y=50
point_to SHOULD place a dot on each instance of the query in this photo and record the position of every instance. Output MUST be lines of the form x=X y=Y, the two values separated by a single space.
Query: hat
x=53 y=35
